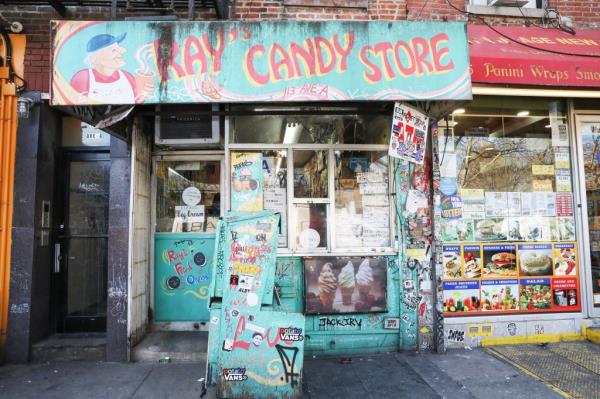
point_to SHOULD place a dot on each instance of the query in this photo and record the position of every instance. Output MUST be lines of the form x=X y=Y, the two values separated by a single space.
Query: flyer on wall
x=246 y=181
x=409 y=134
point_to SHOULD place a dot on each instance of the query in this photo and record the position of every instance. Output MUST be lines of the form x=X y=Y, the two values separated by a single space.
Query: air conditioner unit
x=187 y=125
x=507 y=3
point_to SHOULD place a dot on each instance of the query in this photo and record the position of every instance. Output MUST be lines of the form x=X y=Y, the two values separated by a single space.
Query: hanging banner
x=151 y=62
x=246 y=181
x=409 y=134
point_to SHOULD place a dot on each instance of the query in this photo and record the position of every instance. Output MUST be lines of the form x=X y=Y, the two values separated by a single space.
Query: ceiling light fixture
x=458 y=111
x=523 y=113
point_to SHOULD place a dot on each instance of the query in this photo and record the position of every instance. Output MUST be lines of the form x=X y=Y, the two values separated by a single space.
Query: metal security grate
x=571 y=368
x=130 y=6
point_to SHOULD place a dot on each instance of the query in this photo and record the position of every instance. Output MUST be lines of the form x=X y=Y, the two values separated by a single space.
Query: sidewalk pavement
x=457 y=374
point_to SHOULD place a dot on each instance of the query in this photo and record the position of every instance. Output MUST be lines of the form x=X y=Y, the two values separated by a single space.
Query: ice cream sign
x=133 y=62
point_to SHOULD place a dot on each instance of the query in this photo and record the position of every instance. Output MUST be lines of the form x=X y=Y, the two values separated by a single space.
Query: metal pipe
x=3 y=227
x=8 y=125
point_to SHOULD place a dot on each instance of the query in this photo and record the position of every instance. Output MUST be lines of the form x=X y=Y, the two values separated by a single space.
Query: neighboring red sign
x=497 y=59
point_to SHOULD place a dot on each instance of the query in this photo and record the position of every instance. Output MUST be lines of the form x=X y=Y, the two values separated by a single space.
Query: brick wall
x=585 y=15
x=274 y=9
x=36 y=23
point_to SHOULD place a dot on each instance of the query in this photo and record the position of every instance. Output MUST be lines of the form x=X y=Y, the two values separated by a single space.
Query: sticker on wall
x=415 y=200
x=191 y=196
x=487 y=330
x=409 y=134
x=235 y=374
x=473 y=330
x=448 y=185
x=391 y=323
x=246 y=181
x=451 y=207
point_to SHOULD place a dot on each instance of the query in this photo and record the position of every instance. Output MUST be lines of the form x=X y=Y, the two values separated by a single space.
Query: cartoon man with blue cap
x=104 y=81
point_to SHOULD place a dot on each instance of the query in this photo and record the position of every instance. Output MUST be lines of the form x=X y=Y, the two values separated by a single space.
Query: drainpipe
x=8 y=133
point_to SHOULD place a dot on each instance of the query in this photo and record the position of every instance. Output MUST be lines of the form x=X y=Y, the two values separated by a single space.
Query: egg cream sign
x=134 y=62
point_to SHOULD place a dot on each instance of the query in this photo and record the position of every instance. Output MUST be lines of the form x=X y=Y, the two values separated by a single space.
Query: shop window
x=188 y=195
x=310 y=129
x=311 y=226
x=275 y=188
x=310 y=174
x=362 y=210
x=334 y=196
x=507 y=221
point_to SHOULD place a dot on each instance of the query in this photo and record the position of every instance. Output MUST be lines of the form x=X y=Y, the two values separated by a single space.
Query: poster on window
x=511 y=278
x=345 y=285
x=188 y=218
x=246 y=181
x=409 y=134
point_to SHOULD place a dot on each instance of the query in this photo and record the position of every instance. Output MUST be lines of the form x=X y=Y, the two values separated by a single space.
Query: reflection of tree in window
x=500 y=164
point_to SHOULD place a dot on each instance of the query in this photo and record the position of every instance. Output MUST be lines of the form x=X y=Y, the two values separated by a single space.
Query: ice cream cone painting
x=345 y=285
x=327 y=286
x=364 y=279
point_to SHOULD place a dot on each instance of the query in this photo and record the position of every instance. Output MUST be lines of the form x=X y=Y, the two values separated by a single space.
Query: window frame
x=331 y=249
x=507 y=11
x=183 y=157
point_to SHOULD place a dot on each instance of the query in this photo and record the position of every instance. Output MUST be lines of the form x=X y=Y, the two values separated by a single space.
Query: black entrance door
x=82 y=239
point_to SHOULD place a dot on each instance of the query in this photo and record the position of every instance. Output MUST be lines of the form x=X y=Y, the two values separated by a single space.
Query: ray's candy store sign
x=127 y=62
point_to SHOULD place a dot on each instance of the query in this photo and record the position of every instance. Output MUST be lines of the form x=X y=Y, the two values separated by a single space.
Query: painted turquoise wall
x=361 y=332
x=182 y=274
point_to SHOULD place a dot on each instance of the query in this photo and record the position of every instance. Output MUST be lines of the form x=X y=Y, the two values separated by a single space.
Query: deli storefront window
x=506 y=201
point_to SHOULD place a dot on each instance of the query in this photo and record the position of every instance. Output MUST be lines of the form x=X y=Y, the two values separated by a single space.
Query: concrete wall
x=117 y=347
x=139 y=272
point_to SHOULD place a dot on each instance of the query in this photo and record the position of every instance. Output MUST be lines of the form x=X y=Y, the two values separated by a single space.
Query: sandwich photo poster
x=484 y=278
x=335 y=285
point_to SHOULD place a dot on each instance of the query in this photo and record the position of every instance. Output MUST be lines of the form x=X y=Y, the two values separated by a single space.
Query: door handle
x=57 y=258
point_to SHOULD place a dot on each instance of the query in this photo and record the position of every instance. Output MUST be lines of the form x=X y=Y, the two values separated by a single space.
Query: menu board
x=510 y=278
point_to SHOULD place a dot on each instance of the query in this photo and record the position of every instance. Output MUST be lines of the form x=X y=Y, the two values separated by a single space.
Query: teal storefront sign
x=182 y=275
x=133 y=62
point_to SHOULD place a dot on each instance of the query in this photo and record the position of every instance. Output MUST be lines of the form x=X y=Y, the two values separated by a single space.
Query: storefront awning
x=534 y=56
x=149 y=62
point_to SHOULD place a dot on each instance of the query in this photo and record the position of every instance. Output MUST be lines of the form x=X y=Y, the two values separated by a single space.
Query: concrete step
x=70 y=347
x=176 y=346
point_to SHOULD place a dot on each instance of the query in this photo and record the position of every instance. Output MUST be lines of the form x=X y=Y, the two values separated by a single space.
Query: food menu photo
x=510 y=278
x=345 y=285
